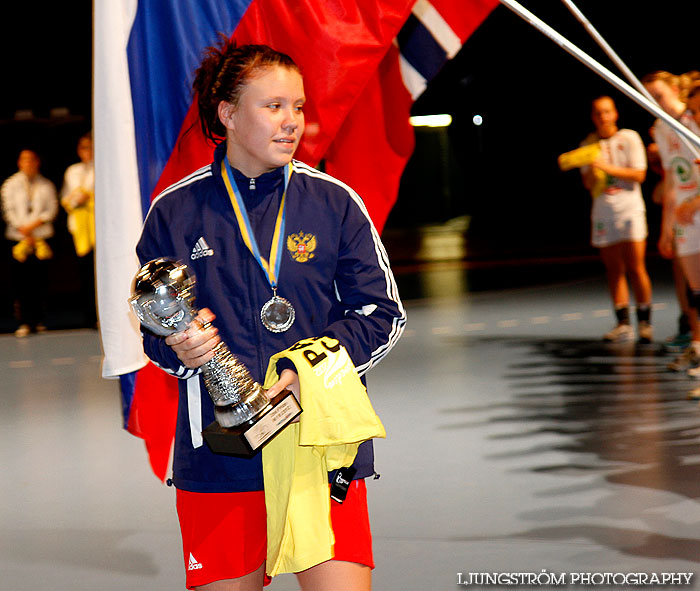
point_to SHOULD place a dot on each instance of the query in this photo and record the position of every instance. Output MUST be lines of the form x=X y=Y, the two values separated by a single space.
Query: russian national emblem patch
x=301 y=246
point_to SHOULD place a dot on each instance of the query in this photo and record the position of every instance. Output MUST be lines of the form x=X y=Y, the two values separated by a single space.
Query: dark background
x=533 y=96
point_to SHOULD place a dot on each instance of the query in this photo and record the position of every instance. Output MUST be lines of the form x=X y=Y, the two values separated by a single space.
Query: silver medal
x=277 y=314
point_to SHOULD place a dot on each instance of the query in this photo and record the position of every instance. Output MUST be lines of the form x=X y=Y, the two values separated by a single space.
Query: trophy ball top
x=163 y=277
x=162 y=295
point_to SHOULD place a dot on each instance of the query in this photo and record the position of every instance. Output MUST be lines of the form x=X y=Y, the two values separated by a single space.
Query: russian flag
x=145 y=55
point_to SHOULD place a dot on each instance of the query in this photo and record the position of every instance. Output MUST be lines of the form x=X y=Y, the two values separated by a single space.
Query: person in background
x=678 y=342
x=680 y=224
x=78 y=199
x=618 y=217
x=29 y=206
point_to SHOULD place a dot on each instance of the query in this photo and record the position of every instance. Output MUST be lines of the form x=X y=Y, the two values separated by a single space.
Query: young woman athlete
x=680 y=222
x=618 y=217
x=334 y=274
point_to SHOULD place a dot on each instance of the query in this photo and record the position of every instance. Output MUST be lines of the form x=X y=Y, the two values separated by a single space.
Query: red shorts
x=224 y=535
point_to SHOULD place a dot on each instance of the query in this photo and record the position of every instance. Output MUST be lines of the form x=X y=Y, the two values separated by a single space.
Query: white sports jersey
x=677 y=159
x=624 y=149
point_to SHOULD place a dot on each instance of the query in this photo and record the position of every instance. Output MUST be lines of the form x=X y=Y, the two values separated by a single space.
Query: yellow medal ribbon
x=239 y=208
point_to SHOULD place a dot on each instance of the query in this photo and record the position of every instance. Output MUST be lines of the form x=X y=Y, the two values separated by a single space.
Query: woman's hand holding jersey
x=195 y=346
x=289 y=380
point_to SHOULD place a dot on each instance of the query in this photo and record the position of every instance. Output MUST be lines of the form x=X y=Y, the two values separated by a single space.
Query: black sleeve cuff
x=285 y=363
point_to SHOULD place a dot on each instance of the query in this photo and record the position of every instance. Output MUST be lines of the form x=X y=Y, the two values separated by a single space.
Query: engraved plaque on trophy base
x=247 y=439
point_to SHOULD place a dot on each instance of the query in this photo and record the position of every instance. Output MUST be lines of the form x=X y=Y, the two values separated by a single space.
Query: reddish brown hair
x=224 y=71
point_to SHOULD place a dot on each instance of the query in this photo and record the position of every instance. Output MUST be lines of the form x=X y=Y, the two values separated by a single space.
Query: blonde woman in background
x=680 y=222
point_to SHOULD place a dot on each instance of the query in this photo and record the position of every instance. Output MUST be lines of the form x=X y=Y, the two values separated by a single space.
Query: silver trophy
x=162 y=297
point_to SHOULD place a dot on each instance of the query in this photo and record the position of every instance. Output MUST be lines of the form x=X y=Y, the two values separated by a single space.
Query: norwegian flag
x=377 y=128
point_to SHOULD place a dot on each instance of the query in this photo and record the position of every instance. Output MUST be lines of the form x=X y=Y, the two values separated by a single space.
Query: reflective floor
x=517 y=442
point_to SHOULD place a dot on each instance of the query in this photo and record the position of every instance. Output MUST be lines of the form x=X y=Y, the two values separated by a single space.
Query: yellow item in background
x=81 y=224
x=601 y=182
x=337 y=416
x=83 y=230
x=26 y=247
x=579 y=157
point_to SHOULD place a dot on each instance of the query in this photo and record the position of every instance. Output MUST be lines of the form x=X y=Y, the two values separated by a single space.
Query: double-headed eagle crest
x=301 y=246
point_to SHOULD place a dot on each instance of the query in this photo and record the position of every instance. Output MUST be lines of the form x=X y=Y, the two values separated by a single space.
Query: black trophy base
x=249 y=438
